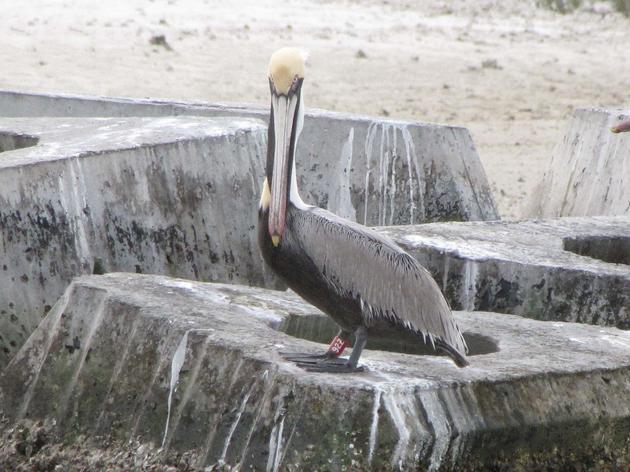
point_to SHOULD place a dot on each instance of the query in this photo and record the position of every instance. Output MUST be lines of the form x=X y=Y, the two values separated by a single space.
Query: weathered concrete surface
x=565 y=269
x=178 y=196
x=174 y=195
x=374 y=171
x=194 y=366
x=589 y=172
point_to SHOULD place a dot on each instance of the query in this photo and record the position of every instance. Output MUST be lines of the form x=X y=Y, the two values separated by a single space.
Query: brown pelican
x=361 y=279
x=621 y=127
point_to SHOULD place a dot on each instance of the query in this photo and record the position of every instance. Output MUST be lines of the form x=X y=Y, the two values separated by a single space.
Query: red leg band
x=337 y=346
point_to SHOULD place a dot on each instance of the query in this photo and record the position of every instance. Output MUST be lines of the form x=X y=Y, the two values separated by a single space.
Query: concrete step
x=174 y=195
x=195 y=367
x=562 y=269
x=373 y=170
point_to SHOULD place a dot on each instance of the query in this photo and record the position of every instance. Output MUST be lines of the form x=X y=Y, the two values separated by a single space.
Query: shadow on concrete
x=615 y=250
x=322 y=329
x=12 y=141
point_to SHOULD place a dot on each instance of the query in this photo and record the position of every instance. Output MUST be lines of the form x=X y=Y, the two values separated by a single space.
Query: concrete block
x=589 y=173
x=371 y=170
x=173 y=195
x=195 y=367
x=564 y=269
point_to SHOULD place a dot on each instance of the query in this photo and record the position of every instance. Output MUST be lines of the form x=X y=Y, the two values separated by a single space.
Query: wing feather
x=387 y=281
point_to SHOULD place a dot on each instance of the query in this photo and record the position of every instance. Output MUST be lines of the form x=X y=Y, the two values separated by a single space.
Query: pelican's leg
x=340 y=365
x=335 y=349
x=357 y=350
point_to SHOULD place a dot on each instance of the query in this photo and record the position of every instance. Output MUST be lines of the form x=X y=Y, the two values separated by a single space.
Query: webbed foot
x=304 y=357
x=336 y=367
x=321 y=362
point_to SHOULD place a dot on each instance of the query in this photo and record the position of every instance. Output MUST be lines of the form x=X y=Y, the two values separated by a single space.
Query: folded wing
x=389 y=283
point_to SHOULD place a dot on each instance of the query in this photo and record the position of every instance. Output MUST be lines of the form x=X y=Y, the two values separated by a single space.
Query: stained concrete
x=372 y=170
x=195 y=367
x=589 y=173
x=174 y=195
x=178 y=195
x=564 y=269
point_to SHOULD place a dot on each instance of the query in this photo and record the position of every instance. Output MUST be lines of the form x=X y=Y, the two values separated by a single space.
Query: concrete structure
x=178 y=195
x=192 y=366
x=589 y=173
x=564 y=269
x=374 y=171
x=173 y=195
x=195 y=367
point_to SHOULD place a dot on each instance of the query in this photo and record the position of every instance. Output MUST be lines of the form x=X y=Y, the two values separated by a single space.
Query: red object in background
x=621 y=127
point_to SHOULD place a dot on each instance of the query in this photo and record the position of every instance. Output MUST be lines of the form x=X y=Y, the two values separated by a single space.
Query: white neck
x=294 y=194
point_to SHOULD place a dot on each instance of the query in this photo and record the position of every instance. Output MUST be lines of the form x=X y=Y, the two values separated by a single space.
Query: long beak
x=621 y=127
x=284 y=109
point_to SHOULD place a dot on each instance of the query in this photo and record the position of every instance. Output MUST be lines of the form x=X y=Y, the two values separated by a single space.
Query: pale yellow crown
x=286 y=64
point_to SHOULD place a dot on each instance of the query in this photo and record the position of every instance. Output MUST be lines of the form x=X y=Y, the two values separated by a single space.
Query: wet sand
x=511 y=73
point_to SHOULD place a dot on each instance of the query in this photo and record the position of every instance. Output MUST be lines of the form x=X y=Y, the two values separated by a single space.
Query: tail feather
x=459 y=359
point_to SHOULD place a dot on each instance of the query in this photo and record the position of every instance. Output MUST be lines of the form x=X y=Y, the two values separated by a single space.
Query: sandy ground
x=509 y=72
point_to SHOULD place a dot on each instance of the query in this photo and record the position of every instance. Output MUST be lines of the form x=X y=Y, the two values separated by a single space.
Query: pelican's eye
x=295 y=83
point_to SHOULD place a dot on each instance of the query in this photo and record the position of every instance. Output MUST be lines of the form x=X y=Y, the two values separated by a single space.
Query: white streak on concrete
x=447 y=263
x=374 y=425
x=412 y=162
x=267 y=389
x=118 y=367
x=275 y=445
x=469 y=285
x=71 y=200
x=382 y=178
x=441 y=430
x=97 y=319
x=79 y=192
x=392 y=190
x=176 y=367
x=340 y=198
x=275 y=439
x=241 y=409
x=387 y=185
x=398 y=418
x=57 y=312
x=369 y=144
x=367 y=195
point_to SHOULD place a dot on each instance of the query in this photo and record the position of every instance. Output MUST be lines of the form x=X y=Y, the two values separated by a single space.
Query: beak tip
x=275 y=240
x=622 y=127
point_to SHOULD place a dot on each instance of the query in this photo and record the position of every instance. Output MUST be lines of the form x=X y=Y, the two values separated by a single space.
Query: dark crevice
x=613 y=249
x=12 y=141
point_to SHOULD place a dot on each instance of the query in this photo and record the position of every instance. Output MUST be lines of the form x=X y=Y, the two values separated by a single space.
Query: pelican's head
x=286 y=71
x=286 y=74
x=621 y=127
